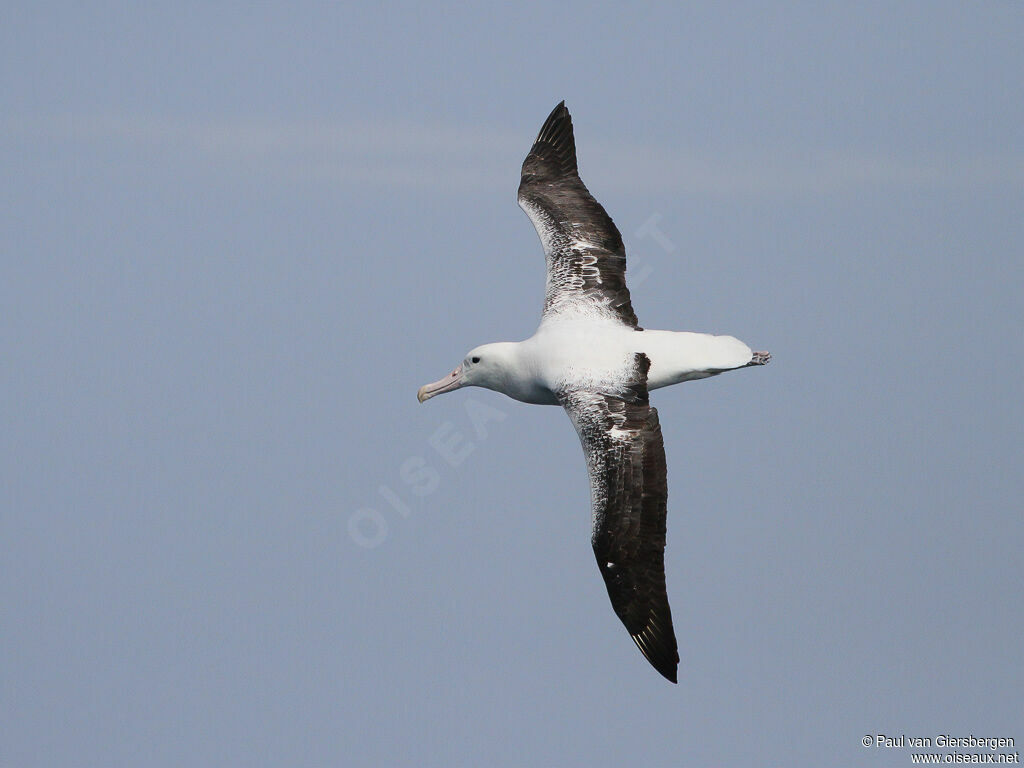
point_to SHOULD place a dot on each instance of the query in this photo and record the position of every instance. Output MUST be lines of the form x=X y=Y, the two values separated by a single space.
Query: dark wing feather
x=625 y=453
x=586 y=259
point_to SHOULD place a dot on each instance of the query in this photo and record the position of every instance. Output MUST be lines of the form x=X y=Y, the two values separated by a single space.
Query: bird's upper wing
x=625 y=455
x=586 y=259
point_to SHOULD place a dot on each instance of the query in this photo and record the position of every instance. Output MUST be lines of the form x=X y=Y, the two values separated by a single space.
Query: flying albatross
x=590 y=356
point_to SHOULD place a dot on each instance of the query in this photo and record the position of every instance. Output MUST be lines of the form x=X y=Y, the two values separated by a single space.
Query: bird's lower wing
x=625 y=455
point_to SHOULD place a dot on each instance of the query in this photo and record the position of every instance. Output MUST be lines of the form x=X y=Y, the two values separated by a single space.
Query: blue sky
x=236 y=240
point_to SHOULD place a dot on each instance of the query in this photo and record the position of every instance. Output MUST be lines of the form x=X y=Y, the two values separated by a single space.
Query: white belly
x=568 y=352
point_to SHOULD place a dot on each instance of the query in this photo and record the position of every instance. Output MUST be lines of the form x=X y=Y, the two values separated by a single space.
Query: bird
x=590 y=356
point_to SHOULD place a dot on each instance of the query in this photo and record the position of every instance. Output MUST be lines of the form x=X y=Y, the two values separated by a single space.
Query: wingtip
x=557 y=118
x=553 y=153
x=666 y=668
x=660 y=653
x=669 y=671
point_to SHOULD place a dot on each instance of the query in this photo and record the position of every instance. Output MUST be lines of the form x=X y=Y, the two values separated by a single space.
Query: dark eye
x=474 y=360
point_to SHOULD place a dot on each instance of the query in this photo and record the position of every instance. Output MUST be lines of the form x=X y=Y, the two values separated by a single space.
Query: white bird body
x=573 y=353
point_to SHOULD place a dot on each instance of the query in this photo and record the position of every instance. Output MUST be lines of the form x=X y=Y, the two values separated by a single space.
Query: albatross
x=590 y=356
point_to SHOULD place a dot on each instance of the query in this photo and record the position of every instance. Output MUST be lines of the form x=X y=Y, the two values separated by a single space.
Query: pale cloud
x=393 y=155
